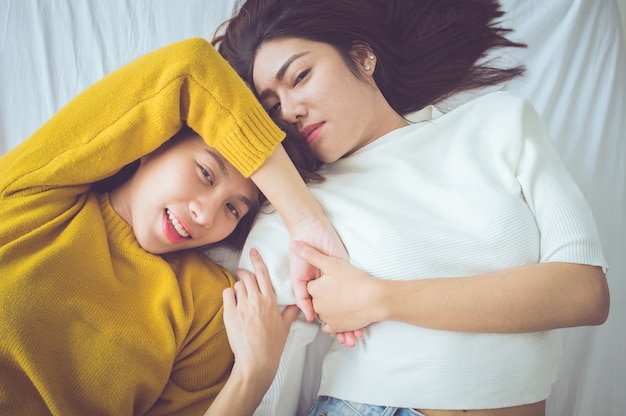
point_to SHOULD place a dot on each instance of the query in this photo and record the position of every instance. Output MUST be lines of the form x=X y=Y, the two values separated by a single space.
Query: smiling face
x=309 y=85
x=183 y=195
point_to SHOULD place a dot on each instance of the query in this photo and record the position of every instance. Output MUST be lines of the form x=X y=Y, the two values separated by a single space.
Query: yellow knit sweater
x=90 y=323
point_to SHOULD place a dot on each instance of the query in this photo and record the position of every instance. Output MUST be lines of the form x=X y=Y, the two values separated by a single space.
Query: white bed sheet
x=50 y=50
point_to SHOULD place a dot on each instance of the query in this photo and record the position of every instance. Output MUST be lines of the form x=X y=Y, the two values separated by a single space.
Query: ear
x=365 y=58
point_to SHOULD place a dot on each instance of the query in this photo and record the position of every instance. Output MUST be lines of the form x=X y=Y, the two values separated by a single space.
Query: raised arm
x=134 y=110
x=304 y=218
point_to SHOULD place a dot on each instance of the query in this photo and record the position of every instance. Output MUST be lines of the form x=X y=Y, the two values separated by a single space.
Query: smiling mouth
x=176 y=226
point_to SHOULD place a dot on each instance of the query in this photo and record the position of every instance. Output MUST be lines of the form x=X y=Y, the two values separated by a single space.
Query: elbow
x=598 y=298
x=602 y=311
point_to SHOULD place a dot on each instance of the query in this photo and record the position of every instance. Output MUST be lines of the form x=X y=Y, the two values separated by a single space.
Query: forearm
x=524 y=299
x=280 y=182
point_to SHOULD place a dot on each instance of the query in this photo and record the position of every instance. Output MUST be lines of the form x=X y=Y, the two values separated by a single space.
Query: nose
x=203 y=211
x=292 y=108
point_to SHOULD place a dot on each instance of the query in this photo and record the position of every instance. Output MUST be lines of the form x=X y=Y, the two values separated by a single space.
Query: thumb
x=308 y=254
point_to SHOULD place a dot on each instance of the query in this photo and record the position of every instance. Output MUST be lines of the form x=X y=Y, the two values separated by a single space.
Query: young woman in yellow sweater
x=105 y=306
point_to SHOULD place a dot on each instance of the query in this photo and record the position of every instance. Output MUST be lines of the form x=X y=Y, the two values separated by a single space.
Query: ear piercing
x=371 y=57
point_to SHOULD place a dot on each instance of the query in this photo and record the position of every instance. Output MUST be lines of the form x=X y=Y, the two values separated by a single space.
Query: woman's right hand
x=257 y=332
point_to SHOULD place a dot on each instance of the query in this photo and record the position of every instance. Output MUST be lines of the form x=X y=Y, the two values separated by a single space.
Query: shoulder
x=191 y=46
x=499 y=102
x=497 y=113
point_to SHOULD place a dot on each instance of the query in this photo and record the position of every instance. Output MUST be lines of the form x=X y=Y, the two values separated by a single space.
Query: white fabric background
x=50 y=50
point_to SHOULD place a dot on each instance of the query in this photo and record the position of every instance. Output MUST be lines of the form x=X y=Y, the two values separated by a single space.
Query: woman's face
x=308 y=85
x=183 y=195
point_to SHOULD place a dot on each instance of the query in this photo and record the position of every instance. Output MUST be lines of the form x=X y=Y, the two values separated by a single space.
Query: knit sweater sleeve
x=133 y=110
x=126 y=115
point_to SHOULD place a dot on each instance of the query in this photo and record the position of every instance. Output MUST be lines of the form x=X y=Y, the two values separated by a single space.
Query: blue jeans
x=329 y=406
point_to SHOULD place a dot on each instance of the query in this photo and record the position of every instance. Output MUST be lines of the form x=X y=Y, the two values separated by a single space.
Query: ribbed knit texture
x=90 y=323
x=476 y=190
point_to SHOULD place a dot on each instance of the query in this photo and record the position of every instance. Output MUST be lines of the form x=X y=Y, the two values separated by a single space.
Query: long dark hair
x=427 y=50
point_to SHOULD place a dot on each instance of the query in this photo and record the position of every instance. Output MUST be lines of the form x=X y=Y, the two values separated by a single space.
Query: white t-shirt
x=476 y=190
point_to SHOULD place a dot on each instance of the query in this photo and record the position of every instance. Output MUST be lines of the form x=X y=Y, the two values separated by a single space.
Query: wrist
x=252 y=384
x=391 y=298
x=305 y=217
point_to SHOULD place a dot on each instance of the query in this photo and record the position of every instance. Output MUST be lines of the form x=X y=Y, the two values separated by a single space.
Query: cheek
x=177 y=179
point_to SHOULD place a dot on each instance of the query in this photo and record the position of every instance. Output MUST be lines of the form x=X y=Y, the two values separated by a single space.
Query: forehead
x=277 y=55
x=194 y=143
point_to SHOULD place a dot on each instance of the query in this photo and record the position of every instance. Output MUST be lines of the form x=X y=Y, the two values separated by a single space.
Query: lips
x=174 y=230
x=310 y=133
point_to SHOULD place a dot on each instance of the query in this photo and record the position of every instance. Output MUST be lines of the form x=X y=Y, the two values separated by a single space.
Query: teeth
x=183 y=233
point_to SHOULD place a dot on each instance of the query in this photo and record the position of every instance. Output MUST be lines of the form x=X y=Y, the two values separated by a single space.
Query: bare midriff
x=533 y=409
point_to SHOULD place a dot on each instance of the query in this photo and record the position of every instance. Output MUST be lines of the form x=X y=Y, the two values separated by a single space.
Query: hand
x=340 y=294
x=256 y=329
x=319 y=233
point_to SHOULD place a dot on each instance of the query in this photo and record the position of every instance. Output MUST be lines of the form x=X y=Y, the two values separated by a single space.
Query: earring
x=371 y=56
x=367 y=67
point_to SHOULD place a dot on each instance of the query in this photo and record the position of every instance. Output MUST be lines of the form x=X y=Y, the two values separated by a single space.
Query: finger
x=240 y=291
x=289 y=314
x=341 y=338
x=262 y=275
x=350 y=339
x=228 y=298
x=359 y=333
x=247 y=283
x=303 y=300
x=309 y=254
x=306 y=307
x=310 y=287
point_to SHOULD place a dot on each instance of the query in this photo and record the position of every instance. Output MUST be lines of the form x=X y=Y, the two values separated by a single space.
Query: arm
x=94 y=136
x=566 y=286
x=257 y=332
x=530 y=298
x=128 y=114
x=304 y=218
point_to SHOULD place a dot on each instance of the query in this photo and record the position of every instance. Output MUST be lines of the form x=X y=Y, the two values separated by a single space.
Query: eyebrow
x=281 y=72
x=222 y=167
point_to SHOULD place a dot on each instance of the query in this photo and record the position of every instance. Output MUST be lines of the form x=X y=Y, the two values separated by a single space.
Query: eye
x=301 y=76
x=233 y=210
x=207 y=175
x=273 y=109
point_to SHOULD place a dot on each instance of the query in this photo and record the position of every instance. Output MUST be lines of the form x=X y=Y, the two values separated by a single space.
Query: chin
x=327 y=158
x=152 y=249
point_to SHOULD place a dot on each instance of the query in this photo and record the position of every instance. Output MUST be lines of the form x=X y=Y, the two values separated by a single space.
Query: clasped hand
x=339 y=295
